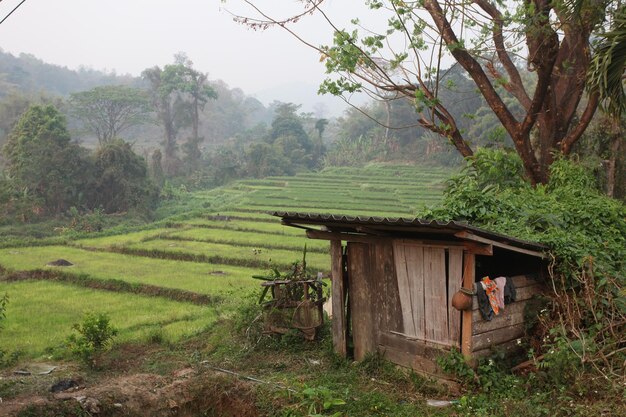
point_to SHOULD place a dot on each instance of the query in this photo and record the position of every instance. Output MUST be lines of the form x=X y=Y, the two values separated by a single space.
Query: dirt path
x=186 y=392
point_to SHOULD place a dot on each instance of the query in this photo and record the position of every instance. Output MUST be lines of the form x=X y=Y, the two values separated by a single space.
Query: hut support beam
x=466 y=326
x=339 y=326
x=470 y=236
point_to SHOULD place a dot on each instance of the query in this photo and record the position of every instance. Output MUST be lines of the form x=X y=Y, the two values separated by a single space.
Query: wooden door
x=427 y=277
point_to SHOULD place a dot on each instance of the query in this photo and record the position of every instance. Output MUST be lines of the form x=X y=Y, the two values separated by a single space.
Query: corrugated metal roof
x=414 y=225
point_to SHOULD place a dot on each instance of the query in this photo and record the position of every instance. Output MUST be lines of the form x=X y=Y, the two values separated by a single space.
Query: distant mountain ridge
x=232 y=113
x=28 y=73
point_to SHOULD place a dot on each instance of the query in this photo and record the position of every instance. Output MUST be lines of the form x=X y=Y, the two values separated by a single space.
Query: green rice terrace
x=180 y=275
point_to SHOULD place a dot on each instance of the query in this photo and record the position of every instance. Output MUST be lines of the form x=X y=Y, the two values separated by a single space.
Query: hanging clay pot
x=462 y=299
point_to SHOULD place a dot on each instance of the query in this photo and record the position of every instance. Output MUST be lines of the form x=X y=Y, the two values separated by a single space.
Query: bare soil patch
x=186 y=392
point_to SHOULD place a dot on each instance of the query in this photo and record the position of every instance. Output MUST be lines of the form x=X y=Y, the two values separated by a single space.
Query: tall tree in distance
x=199 y=91
x=490 y=40
x=320 y=126
x=178 y=94
x=109 y=110
x=166 y=89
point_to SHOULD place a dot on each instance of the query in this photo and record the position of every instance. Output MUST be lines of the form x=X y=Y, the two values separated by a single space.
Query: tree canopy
x=178 y=93
x=109 y=110
x=42 y=160
x=120 y=180
x=491 y=41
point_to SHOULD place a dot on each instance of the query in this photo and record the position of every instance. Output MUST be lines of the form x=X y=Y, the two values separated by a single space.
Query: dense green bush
x=47 y=175
x=120 y=181
x=43 y=163
x=577 y=222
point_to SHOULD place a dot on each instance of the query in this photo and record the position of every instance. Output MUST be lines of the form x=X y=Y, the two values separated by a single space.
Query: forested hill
x=27 y=73
x=28 y=77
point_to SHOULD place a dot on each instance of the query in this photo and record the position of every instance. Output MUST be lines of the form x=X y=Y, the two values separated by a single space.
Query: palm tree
x=606 y=78
x=606 y=73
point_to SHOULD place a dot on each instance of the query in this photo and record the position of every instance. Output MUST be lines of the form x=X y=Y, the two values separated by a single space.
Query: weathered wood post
x=468 y=283
x=338 y=298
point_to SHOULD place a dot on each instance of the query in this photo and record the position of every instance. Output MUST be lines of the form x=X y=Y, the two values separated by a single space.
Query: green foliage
x=121 y=179
x=455 y=364
x=109 y=110
x=585 y=232
x=91 y=221
x=95 y=334
x=319 y=401
x=568 y=214
x=601 y=144
x=47 y=174
x=607 y=68
x=43 y=163
x=355 y=152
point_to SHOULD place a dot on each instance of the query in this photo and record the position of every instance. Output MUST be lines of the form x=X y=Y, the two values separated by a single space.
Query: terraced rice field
x=179 y=276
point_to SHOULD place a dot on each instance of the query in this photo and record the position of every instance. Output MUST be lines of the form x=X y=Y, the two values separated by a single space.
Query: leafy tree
x=291 y=140
x=199 y=92
x=262 y=160
x=226 y=165
x=121 y=179
x=42 y=161
x=109 y=110
x=178 y=94
x=484 y=38
x=166 y=88
x=156 y=168
x=14 y=104
x=320 y=126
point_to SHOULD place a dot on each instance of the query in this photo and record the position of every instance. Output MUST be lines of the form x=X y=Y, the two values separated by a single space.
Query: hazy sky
x=130 y=35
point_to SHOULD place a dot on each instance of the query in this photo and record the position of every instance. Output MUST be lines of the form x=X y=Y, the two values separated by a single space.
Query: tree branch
x=515 y=84
x=575 y=134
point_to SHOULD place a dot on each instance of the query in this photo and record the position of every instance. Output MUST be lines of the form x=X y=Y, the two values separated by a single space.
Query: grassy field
x=207 y=243
x=41 y=315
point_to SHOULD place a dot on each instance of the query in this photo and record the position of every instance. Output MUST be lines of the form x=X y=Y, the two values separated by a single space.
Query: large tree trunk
x=560 y=62
x=170 y=162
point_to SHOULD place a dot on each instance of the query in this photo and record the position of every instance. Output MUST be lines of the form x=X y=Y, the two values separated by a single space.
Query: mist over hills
x=27 y=73
x=231 y=113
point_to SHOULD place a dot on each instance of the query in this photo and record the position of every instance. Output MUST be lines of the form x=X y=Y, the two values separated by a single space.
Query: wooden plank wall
x=403 y=288
x=455 y=282
x=374 y=295
x=410 y=287
x=362 y=299
x=505 y=328
x=389 y=307
x=435 y=295
x=426 y=285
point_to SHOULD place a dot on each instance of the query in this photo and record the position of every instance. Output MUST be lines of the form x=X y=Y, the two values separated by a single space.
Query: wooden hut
x=393 y=282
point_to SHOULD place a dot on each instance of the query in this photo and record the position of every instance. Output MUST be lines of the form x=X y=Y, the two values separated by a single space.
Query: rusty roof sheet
x=414 y=225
